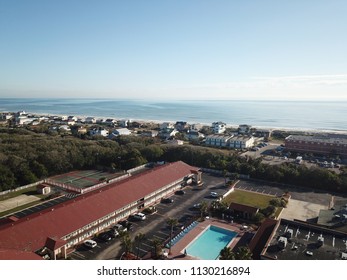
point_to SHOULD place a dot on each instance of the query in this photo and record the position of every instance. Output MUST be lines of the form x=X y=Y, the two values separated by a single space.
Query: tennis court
x=84 y=178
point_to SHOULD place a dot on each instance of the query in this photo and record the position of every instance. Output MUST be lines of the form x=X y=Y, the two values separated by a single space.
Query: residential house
x=110 y=122
x=195 y=126
x=124 y=123
x=72 y=118
x=149 y=133
x=166 y=125
x=99 y=132
x=119 y=131
x=244 y=129
x=90 y=120
x=194 y=135
x=70 y=122
x=167 y=133
x=181 y=126
x=218 y=127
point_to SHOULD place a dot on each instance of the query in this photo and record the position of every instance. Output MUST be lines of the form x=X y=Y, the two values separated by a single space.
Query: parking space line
x=147 y=245
x=161 y=238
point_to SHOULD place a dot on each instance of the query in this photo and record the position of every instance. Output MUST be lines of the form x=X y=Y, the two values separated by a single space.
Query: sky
x=174 y=49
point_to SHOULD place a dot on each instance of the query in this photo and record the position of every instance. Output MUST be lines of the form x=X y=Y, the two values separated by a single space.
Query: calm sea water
x=276 y=114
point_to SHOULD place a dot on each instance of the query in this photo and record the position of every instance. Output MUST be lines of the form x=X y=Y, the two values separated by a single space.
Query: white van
x=90 y=243
x=140 y=216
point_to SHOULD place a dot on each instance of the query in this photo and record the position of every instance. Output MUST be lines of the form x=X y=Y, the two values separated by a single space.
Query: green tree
x=138 y=239
x=226 y=254
x=243 y=253
x=126 y=242
x=172 y=223
x=157 y=247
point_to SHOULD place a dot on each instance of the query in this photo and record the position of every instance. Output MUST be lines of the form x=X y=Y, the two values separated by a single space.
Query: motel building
x=56 y=231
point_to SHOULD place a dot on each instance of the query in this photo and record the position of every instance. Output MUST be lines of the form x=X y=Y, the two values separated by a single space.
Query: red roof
x=54 y=243
x=243 y=208
x=9 y=254
x=262 y=237
x=30 y=233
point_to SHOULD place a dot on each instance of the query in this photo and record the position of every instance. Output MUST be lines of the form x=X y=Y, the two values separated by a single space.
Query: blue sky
x=221 y=49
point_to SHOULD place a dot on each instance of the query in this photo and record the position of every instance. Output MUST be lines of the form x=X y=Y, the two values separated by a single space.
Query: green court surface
x=84 y=178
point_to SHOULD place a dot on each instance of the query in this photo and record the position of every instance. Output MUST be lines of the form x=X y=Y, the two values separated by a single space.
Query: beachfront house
x=244 y=129
x=91 y=120
x=194 y=135
x=149 y=133
x=166 y=125
x=99 y=132
x=167 y=133
x=181 y=126
x=218 y=127
x=124 y=123
x=118 y=132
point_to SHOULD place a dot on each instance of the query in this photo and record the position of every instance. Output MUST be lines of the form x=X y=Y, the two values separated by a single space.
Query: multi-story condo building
x=241 y=142
x=218 y=140
x=333 y=144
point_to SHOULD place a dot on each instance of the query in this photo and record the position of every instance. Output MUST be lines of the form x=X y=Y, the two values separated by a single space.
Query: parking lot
x=155 y=226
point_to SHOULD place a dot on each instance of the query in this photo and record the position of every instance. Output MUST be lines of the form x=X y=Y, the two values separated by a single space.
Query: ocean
x=302 y=115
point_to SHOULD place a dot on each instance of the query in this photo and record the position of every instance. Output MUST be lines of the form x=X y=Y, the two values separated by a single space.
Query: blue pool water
x=209 y=244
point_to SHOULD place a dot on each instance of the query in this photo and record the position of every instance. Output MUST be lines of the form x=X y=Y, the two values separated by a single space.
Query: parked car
x=214 y=194
x=112 y=233
x=140 y=216
x=90 y=243
x=104 y=236
x=119 y=228
x=180 y=192
x=167 y=200
x=197 y=206
x=126 y=224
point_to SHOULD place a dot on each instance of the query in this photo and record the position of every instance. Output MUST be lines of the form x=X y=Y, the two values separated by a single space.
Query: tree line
x=26 y=157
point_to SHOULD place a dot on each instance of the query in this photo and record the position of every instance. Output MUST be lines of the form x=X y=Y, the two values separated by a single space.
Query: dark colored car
x=180 y=192
x=126 y=224
x=104 y=236
x=167 y=200
x=112 y=233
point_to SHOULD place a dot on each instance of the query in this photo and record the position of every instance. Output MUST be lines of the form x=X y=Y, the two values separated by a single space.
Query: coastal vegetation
x=27 y=156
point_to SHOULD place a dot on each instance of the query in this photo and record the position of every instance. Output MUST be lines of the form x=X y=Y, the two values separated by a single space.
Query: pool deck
x=177 y=250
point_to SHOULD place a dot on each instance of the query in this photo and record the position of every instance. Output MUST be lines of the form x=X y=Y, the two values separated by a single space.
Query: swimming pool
x=210 y=242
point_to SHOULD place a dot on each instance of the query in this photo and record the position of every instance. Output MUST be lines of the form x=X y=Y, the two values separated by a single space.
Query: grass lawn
x=249 y=198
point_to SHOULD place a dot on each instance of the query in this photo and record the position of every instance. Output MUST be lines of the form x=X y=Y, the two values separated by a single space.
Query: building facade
x=60 y=228
x=333 y=144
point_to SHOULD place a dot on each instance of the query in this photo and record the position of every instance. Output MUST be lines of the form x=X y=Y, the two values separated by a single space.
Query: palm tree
x=226 y=254
x=203 y=208
x=157 y=247
x=138 y=238
x=126 y=242
x=172 y=223
x=243 y=253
